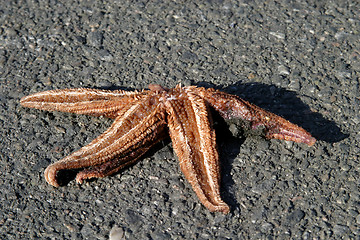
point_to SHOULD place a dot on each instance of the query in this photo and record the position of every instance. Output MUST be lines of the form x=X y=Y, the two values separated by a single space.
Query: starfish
x=143 y=118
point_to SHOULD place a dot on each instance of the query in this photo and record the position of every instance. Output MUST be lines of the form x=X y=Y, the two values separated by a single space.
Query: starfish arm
x=130 y=155
x=194 y=143
x=82 y=101
x=134 y=131
x=230 y=106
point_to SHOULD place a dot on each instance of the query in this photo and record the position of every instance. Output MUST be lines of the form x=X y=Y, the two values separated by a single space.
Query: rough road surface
x=299 y=59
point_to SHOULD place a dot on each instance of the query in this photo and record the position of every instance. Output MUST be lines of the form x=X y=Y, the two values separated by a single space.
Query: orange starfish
x=144 y=118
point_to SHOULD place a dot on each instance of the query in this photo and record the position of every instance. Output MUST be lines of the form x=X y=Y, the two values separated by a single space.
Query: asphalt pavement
x=298 y=59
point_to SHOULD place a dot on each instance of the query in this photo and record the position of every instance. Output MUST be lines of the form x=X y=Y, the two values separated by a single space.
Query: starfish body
x=143 y=118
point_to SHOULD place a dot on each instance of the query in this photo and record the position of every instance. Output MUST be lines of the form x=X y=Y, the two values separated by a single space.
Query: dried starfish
x=144 y=118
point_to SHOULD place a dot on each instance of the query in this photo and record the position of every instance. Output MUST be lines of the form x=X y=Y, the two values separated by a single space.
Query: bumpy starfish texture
x=143 y=118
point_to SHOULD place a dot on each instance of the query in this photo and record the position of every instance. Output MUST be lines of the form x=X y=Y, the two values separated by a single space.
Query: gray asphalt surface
x=299 y=59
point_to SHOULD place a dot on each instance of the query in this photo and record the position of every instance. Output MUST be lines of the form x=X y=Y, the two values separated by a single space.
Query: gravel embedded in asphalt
x=298 y=59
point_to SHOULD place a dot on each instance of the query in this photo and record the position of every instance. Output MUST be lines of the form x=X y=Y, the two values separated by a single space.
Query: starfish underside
x=143 y=118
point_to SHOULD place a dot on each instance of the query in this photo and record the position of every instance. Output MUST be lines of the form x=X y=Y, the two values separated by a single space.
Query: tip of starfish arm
x=310 y=141
x=24 y=101
x=222 y=207
x=216 y=207
x=300 y=136
x=50 y=176
x=225 y=209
